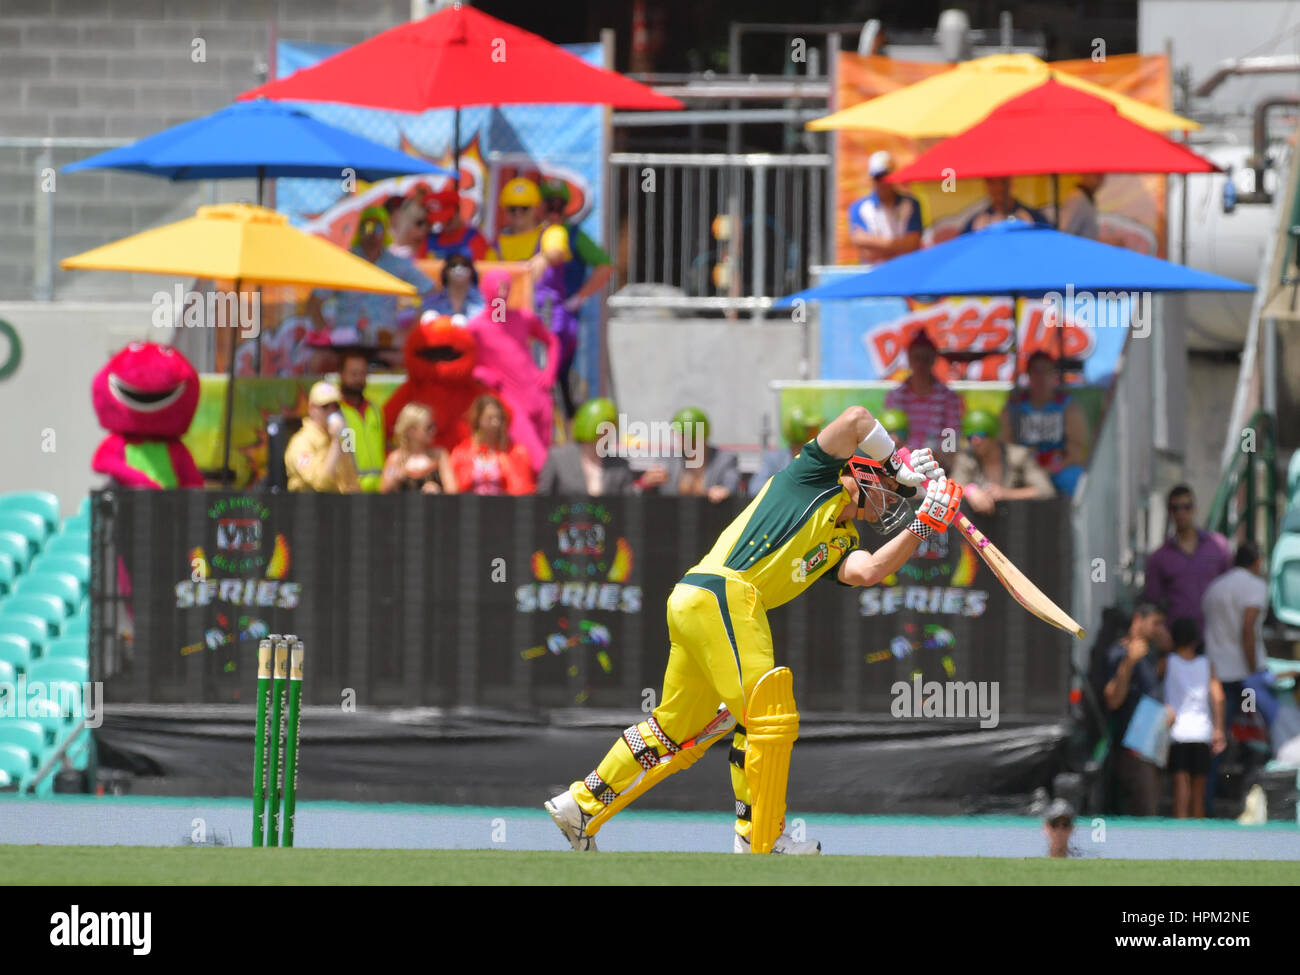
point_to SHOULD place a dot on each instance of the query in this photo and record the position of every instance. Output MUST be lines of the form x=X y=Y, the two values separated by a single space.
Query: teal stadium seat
x=31 y=527
x=64 y=669
x=73 y=543
x=65 y=588
x=76 y=524
x=17 y=548
x=16 y=651
x=8 y=674
x=51 y=609
x=50 y=717
x=78 y=625
x=77 y=566
x=1293 y=477
x=25 y=734
x=84 y=507
x=68 y=648
x=8 y=573
x=41 y=503
x=15 y=767
x=34 y=629
x=1284 y=579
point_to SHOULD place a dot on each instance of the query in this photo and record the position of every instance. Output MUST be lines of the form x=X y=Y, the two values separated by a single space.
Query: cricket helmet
x=980 y=423
x=878 y=502
x=590 y=415
x=689 y=416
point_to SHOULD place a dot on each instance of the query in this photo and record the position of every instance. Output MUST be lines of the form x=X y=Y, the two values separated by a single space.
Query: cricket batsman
x=798 y=529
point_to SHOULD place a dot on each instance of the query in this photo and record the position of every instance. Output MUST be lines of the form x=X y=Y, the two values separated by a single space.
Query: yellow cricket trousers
x=721 y=645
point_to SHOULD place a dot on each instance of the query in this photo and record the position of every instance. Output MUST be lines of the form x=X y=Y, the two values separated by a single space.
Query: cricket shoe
x=568 y=815
x=784 y=844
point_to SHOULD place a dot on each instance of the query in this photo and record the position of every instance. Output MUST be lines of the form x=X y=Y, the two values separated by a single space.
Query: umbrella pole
x=1056 y=199
x=455 y=144
x=227 y=475
x=261 y=175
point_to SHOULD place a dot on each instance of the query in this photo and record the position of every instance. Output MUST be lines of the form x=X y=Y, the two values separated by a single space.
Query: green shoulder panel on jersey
x=788 y=500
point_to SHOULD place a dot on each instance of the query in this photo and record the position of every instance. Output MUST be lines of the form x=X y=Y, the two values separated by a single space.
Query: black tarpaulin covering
x=483 y=757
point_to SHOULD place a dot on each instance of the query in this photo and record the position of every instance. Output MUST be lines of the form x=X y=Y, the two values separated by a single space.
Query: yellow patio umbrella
x=951 y=102
x=248 y=245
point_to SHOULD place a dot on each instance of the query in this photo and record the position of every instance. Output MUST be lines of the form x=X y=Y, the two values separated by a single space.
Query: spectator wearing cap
x=1131 y=673
x=582 y=468
x=1058 y=827
x=315 y=458
x=1180 y=571
x=589 y=268
x=360 y=317
x=555 y=305
x=459 y=294
x=1048 y=421
x=363 y=418
x=885 y=223
x=1079 y=211
x=1194 y=705
x=699 y=469
x=1002 y=206
x=992 y=471
x=449 y=232
x=930 y=406
x=800 y=426
x=522 y=202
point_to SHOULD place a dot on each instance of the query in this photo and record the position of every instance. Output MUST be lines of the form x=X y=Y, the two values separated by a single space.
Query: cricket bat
x=1022 y=590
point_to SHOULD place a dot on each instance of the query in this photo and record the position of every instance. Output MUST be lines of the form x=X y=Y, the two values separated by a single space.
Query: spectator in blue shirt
x=460 y=294
x=885 y=223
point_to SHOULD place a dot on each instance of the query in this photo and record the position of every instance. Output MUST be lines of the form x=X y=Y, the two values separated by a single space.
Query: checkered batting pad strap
x=599 y=789
x=658 y=732
x=645 y=755
x=742 y=810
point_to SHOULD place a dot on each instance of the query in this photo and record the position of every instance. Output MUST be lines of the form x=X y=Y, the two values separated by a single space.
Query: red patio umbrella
x=1049 y=130
x=455 y=58
x=1053 y=129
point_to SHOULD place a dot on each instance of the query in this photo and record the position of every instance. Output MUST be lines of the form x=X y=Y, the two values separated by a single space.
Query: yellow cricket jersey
x=519 y=247
x=787 y=538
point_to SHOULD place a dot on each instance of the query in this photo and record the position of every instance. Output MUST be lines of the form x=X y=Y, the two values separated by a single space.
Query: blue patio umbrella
x=256 y=140
x=1018 y=259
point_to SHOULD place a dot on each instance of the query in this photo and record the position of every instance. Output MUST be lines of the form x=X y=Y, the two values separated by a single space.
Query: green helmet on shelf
x=895 y=421
x=980 y=423
x=590 y=415
x=689 y=416
x=802 y=425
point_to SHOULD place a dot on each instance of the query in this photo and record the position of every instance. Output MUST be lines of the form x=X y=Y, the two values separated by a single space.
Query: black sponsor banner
x=516 y=603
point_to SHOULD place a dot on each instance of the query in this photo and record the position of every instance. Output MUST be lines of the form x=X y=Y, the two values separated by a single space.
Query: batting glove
x=942 y=499
x=897 y=468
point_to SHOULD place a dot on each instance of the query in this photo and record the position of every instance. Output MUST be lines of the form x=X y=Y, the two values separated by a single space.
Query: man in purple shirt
x=1180 y=570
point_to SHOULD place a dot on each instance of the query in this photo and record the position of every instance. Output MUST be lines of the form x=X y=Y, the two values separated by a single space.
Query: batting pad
x=772 y=723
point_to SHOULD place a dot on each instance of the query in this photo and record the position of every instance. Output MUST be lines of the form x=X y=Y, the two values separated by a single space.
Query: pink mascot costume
x=505 y=363
x=145 y=397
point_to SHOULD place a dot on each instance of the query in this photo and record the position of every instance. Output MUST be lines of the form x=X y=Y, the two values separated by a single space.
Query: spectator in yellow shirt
x=522 y=201
x=316 y=458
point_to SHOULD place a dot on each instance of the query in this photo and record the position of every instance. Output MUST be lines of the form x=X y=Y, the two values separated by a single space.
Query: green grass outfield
x=86 y=866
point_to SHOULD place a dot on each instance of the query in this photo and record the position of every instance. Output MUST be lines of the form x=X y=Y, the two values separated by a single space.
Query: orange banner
x=1131 y=208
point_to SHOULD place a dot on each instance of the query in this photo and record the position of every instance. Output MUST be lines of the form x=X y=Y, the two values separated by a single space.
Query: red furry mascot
x=145 y=397
x=440 y=360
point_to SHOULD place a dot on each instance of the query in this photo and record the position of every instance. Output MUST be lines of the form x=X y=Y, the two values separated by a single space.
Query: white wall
x=46 y=402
